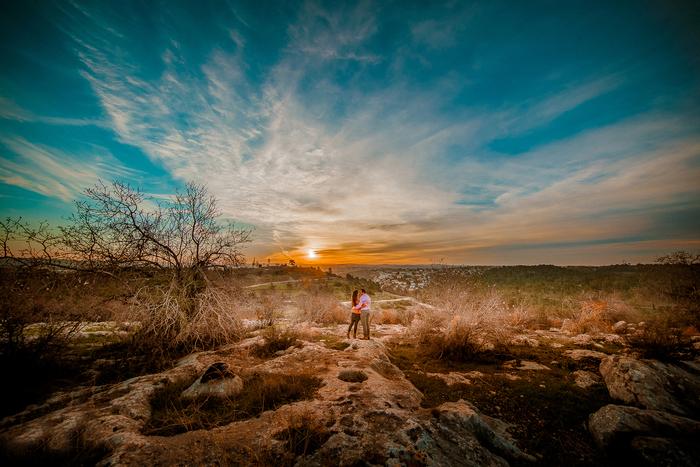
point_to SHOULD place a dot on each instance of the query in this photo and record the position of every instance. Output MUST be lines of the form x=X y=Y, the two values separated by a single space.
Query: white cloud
x=372 y=179
x=56 y=173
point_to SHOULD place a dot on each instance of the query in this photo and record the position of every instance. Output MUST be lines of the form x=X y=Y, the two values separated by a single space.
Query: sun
x=311 y=254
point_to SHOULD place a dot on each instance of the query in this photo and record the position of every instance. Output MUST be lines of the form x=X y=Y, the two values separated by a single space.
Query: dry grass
x=276 y=340
x=464 y=324
x=304 y=434
x=267 y=308
x=396 y=315
x=261 y=391
x=660 y=339
x=321 y=307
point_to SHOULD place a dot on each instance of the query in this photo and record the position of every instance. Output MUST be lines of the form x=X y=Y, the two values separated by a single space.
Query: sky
x=369 y=132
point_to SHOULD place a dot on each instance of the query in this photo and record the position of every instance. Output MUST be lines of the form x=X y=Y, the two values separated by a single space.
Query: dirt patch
x=547 y=411
x=352 y=376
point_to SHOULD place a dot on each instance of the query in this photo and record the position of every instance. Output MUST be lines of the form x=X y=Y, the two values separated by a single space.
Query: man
x=364 y=306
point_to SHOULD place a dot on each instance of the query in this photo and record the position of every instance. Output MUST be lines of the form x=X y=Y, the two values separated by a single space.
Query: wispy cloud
x=11 y=111
x=54 y=173
x=315 y=155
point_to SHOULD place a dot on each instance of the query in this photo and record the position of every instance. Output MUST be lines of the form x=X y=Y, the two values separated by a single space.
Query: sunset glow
x=391 y=134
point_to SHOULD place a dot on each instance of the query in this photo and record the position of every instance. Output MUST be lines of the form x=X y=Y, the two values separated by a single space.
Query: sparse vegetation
x=659 y=340
x=276 y=340
x=321 y=306
x=261 y=391
x=465 y=324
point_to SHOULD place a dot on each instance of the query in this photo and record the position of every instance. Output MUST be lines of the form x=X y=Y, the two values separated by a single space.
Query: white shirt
x=365 y=302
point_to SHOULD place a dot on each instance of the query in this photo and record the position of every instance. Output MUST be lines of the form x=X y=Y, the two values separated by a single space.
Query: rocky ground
x=553 y=397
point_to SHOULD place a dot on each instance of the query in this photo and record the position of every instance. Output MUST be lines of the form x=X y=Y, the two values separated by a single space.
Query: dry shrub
x=521 y=316
x=463 y=326
x=596 y=315
x=659 y=339
x=402 y=316
x=173 y=322
x=267 y=308
x=215 y=321
x=321 y=307
x=276 y=340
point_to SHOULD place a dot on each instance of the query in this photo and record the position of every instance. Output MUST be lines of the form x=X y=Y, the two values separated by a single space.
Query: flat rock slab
x=451 y=378
x=580 y=354
x=527 y=365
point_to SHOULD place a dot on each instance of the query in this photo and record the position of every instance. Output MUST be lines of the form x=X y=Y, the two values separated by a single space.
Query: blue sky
x=468 y=132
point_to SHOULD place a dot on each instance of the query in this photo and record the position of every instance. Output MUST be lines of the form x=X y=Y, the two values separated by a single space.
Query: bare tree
x=28 y=245
x=117 y=226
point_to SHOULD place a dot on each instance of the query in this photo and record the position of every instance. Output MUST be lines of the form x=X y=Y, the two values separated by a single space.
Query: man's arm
x=363 y=302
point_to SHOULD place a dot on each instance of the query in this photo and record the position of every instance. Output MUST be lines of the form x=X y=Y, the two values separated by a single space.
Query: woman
x=354 y=316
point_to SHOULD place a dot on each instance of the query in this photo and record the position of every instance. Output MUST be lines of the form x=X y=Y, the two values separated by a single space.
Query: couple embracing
x=360 y=312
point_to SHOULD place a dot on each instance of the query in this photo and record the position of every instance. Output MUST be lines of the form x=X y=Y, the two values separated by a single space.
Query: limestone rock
x=652 y=384
x=380 y=419
x=613 y=425
x=525 y=341
x=527 y=365
x=451 y=378
x=582 y=339
x=585 y=379
x=579 y=354
x=619 y=327
x=217 y=381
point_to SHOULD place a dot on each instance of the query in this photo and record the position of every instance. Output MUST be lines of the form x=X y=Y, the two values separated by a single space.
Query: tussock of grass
x=464 y=326
x=659 y=340
x=275 y=341
x=304 y=434
x=261 y=391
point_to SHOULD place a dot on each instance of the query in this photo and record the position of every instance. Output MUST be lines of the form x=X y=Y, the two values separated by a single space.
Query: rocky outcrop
x=613 y=424
x=376 y=421
x=652 y=384
x=652 y=436
x=661 y=430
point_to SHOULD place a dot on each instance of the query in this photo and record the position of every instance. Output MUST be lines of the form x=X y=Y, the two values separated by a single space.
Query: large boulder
x=652 y=437
x=620 y=327
x=613 y=424
x=652 y=384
